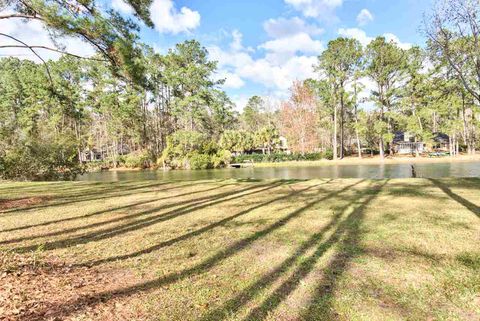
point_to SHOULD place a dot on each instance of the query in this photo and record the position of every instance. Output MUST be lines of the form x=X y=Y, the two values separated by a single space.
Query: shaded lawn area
x=241 y=250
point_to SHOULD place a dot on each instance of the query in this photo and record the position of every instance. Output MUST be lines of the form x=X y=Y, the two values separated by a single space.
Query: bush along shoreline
x=200 y=161
x=282 y=157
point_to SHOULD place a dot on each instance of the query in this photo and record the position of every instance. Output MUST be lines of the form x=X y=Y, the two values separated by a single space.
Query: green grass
x=400 y=249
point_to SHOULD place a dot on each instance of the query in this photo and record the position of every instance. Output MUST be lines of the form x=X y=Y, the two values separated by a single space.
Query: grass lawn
x=400 y=249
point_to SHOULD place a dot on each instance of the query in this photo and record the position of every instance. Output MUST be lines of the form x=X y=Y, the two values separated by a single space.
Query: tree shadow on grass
x=195 y=205
x=116 y=192
x=236 y=303
x=196 y=232
x=65 y=231
x=466 y=203
x=345 y=229
x=95 y=299
x=321 y=306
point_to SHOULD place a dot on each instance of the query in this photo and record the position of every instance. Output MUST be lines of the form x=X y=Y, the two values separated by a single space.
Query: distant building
x=404 y=143
x=283 y=145
x=441 y=142
x=102 y=153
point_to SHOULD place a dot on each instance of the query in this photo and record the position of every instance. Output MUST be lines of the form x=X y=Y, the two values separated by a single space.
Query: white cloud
x=394 y=38
x=281 y=50
x=232 y=80
x=122 y=6
x=236 y=56
x=279 y=77
x=322 y=9
x=364 y=17
x=240 y=101
x=34 y=34
x=362 y=37
x=237 y=64
x=167 y=18
x=228 y=58
x=236 y=44
x=355 y=33
x=282 y=27
x=300 y=42
x=291 y=37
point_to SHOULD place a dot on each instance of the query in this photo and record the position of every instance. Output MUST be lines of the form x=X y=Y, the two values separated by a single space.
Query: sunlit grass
x=242 y=250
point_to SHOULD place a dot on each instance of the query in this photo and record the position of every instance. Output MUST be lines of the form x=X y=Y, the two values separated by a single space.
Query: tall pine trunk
x=357 y=136
x=382 y=148
x=335 y=142
x=342 y=138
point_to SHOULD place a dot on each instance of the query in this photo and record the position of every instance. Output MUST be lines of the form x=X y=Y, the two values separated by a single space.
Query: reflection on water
x=432 y=170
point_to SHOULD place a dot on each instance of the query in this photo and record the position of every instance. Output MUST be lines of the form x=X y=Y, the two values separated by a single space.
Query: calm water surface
x=433 y=170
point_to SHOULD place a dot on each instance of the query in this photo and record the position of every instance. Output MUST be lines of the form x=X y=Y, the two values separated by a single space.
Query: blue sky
x=262 y=46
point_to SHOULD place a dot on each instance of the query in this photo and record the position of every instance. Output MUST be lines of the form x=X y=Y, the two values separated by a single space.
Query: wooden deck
x=241 y=165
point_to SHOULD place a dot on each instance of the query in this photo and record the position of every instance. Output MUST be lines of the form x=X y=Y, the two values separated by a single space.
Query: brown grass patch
x=34 y=288
x=6 y=204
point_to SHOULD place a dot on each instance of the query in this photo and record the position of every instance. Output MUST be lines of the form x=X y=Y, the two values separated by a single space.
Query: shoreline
x=351 y=161
x=374 y=161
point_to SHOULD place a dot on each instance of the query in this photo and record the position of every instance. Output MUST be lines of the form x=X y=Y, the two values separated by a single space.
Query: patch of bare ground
x=34 y=288
x=6 y=204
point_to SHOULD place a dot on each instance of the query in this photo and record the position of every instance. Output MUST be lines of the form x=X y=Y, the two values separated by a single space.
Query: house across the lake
x=441 y=142
x=100 y=154
x=405 y=143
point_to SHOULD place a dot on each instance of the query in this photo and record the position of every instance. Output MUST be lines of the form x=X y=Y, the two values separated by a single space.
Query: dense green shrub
x=200 y=161
x=222 y=158
x=190 y=149
x=183 y=145
x=282 y=157
x=237 y=141
x=328 y=154
x=138 y=159
x=314 y=156
x=41 y=161
x=256 y=158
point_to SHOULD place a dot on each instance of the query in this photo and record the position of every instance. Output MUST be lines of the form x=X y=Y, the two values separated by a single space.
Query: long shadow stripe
x=93 y=300
x=235 y=304
x=306 y=266
x=325 y=290
x=82 y=198
x=193 y=233
x=74 y=229
x=462 y=201
x=141 y=223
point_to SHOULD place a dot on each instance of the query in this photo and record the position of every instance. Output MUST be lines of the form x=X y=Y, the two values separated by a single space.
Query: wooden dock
x=241 y=165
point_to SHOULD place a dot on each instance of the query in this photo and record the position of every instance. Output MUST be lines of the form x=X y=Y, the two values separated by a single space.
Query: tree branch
x=54 y=50
x=19 y=15
x=34 y=52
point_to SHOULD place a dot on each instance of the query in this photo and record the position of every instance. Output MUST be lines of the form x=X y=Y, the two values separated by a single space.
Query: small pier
x=241 y=165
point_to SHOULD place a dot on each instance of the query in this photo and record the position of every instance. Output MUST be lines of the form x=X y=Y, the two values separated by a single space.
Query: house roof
x=441 y=138
x=438 y=137
x=398 y=137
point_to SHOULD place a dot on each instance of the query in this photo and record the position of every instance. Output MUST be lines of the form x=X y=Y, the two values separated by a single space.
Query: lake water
x=427 y=170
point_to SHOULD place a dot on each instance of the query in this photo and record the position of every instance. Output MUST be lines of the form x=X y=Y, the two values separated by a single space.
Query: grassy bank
x=376 y=160
x=241 y=250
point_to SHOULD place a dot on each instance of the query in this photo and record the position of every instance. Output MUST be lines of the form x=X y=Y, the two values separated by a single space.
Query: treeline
x=80 y=115
x=412 y=92
x=51 y=124
x=59 y=118
x=363 y=96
